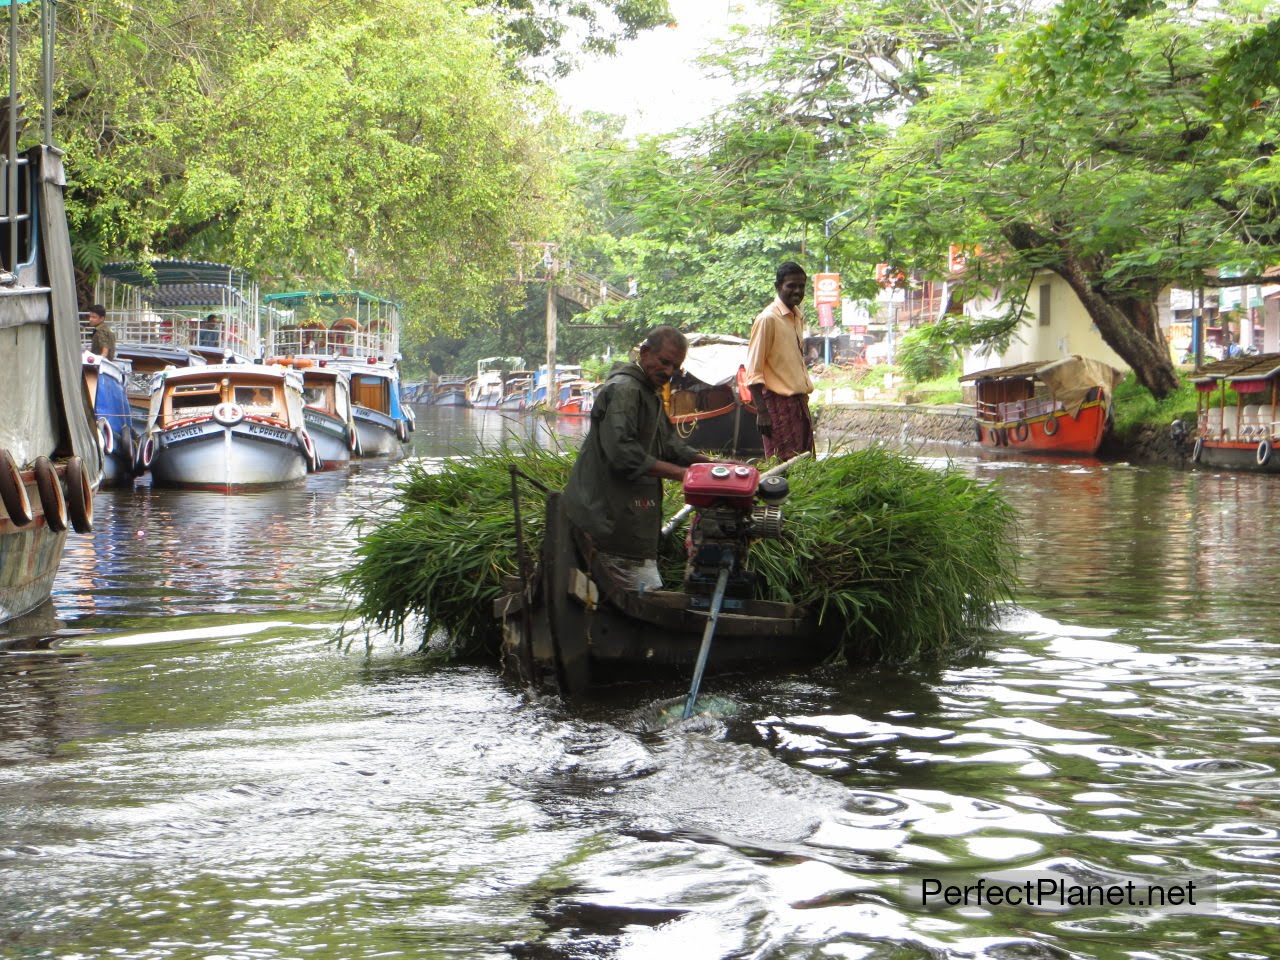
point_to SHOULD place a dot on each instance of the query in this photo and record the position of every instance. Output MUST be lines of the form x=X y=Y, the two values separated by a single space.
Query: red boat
x=1061 y=406
x=576 y=398
x=1237 y=400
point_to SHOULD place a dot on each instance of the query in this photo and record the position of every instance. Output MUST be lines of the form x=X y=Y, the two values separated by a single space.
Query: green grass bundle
x=910 y=560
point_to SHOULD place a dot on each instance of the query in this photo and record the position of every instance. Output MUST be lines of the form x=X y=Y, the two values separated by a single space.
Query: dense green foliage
x=911 y=561
x=1135 y=407
x=1124 y=146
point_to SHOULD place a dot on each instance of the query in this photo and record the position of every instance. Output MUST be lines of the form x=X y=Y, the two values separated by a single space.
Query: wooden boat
x=576 y=398
x=450 y=391
x=570 y=619
x=1238 y=432
x=708 y=401
x=485 y=391
x=516 y=390
x=50 y=462
x=1057 y=407
x=358 y=333
x=327 y=410
x=565 y=373
x=227 y=427
x=108 y=383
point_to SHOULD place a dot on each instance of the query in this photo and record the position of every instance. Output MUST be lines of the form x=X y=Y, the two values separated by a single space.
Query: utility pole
x=552 y=386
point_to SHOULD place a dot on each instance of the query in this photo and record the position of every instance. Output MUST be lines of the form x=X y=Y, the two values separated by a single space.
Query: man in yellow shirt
x=776 y=375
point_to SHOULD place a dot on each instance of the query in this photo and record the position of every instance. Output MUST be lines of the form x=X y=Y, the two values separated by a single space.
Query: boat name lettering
x=260 y=430
x=184 y=433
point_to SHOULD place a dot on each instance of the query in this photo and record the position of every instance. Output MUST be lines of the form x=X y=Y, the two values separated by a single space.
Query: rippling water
x=191 y=768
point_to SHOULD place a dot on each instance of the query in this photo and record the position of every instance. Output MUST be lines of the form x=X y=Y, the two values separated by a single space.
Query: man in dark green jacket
x=614 y=493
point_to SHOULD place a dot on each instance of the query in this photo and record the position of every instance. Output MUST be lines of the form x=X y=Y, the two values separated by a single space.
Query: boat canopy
x=1069 y=380
x=1257 y=367
x=183 y=283
x=714 y=358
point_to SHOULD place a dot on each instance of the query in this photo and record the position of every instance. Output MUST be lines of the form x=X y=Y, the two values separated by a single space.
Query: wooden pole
x=552 y=386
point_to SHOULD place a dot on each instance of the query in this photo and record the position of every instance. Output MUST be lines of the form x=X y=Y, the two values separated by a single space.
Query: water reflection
x=194 y=769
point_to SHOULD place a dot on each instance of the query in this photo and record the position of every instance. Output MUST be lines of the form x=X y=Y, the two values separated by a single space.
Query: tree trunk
x=1129 y=326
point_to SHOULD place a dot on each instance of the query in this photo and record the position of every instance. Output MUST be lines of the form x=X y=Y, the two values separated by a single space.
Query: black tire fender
x=1264 y=453
x=52 y=501
x=79 y=496
x=13 y=492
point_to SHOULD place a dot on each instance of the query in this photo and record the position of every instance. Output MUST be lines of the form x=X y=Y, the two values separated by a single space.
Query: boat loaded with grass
x=877 y=557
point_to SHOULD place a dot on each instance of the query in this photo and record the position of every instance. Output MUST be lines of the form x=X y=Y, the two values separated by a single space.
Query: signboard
x=826 y=289
x=886 y=276
x=826 y=315
x=959 y=255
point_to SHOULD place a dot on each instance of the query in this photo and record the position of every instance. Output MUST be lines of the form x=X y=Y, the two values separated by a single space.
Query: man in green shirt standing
x=614 y=493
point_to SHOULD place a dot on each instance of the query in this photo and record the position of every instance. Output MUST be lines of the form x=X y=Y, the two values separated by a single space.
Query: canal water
x=193 y=768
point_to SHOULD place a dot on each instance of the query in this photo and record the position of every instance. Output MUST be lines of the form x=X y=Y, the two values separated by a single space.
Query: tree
x=1100 y=148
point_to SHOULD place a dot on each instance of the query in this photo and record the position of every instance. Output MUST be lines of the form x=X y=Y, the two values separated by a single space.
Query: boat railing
x=15 y=215
x=1013 y=410
x=318 y=342
x=1252 y=421
x=173 y=330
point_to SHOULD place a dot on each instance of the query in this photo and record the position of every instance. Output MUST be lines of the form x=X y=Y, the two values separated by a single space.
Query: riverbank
x=905 y=424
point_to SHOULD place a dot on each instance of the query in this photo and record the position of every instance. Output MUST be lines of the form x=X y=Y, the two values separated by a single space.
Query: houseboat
x=708 y=401
x=516 y=391
x=576 y=398
x=450 y=391
x=486 y=390
x=227 y=427
x=1052 y=407
x=1237 y=426
x=50 y=463
x=358 y=333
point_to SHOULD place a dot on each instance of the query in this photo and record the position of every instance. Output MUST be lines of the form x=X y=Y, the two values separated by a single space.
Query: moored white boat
x=227 y=427
x=327 y=411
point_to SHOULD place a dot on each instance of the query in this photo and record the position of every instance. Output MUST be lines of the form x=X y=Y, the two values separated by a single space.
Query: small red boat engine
x=732 y=506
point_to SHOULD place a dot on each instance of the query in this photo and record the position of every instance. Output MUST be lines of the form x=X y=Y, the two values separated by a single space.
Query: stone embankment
x=908 y=425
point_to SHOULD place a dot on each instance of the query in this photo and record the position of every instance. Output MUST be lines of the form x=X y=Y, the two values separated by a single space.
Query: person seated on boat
x=614 y=493
x=103 y=342
x=209 y=332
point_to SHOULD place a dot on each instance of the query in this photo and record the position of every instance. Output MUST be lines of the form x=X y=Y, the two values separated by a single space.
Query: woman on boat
x=614 y=493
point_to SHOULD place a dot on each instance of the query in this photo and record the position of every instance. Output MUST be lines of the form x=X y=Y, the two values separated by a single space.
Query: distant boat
x=576 y=398
x=485 y=391
x=565 y=373
x=359 y=333
x=1058 y=407
x=516 y=390
x=50 y=463
x=227 y=427
x=450 y=391
x=708 y=401
x=1237 y=426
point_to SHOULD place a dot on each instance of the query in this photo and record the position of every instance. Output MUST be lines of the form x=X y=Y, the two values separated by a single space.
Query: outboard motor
x=726 y=519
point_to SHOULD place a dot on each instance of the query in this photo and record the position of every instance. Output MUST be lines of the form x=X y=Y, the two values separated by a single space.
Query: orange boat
x=1061 y=406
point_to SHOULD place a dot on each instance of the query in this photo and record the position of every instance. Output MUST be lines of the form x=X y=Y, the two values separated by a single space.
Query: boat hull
x=332 y=438
x=1245 y=455
x=584 y=631
x=210 y=456
x=451 y=398
x=29 y=558
x=1056 y=432
x=380 y=435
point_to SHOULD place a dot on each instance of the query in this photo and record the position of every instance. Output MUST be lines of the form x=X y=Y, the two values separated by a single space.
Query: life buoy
x=353 y=439
x=1051 y=425
x=79 y=497
x=228 y=414
x=1195 y=450
x=1021 y=431
x=309 y=448
x=106 y=437
x=147 y=453
x=13 y=491
x=1264 y=453
x=51 y=498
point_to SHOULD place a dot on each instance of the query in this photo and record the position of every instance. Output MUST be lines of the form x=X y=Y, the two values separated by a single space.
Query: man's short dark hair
x=660 y=336
x=786 y=270
x=98 y=310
